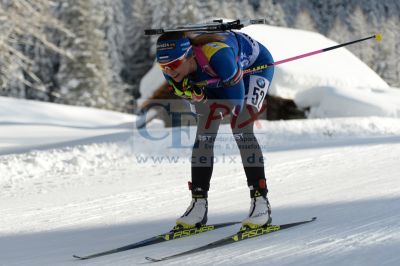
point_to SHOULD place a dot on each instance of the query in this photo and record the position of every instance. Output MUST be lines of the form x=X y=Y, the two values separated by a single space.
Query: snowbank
x=26 y=125
x=343 y=102
x=27 y=111
x=151 y=81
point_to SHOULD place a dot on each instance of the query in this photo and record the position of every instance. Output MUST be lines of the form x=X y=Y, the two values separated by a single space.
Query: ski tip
x=314 y=218
x=152 y=259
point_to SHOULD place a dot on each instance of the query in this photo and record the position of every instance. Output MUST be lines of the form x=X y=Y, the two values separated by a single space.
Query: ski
x=215 y=25
x=175 y=233
x=243 y=234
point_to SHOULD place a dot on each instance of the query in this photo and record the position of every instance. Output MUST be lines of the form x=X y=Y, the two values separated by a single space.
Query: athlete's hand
x=186 y=90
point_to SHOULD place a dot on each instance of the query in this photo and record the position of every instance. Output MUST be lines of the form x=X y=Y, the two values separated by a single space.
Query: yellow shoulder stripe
x=211 y=48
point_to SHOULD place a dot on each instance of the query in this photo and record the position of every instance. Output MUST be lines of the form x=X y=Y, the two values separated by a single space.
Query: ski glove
x=186 y=90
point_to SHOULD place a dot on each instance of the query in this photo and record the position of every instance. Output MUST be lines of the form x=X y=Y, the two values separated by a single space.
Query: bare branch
x=20 y=20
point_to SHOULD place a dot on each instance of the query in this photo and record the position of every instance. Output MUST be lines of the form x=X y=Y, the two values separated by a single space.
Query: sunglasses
x=174 y=64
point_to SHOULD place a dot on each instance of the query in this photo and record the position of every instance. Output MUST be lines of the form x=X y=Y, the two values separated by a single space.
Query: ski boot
x=260 y=209
x=196 y=213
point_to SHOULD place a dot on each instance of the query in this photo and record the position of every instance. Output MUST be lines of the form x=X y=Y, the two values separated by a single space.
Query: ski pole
x=377 y=37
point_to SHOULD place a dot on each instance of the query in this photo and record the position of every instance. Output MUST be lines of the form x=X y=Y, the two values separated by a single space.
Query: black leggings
x=203 y=148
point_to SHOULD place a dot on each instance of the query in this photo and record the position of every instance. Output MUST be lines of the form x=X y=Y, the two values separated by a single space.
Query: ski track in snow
x=104 y=200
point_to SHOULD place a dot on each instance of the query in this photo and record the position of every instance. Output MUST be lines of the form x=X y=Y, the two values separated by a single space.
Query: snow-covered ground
x=89 y=196
x=27 y=125
x=76 y=181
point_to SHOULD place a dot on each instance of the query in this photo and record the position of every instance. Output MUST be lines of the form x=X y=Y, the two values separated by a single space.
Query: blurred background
x=93 y=53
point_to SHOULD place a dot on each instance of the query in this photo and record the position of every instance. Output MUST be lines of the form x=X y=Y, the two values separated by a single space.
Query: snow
x=77 y=180
x=151 y=81
x=63 y=199
x=341 y=102
x=27 y=125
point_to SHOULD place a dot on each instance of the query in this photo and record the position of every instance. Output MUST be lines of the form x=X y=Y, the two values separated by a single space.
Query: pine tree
x=304 y=21
x=204 y=9
x=272 y=12
x=84 y=80
x=24 y=28
x=40 y=85
x=113 y=27
x=137 y=47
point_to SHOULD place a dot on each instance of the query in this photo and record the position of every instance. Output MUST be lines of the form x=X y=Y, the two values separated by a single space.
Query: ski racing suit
x=244 y=96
